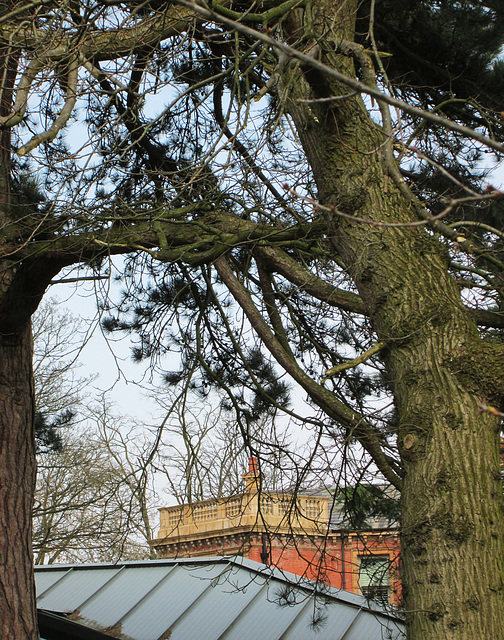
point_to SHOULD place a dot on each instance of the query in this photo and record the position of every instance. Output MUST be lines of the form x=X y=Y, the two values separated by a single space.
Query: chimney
x=253 y=465
x=252 y=477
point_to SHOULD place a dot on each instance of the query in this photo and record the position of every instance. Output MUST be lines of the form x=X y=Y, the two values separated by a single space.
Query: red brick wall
x=317 y=558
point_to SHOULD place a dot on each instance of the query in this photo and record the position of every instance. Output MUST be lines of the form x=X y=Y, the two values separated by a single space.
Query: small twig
x=441 y=169
x=328 y=99
x=353 y=363
x=479 y=225
x=486 y=408
x=416 y=223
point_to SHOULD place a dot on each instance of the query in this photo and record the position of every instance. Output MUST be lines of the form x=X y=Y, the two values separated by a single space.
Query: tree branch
x=329 y=72
x=63 y=117
x=307 y=281
x=354 y=362
x=22 y=92
x=350 y=419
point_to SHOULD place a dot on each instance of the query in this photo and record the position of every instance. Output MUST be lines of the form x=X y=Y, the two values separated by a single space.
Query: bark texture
x=452 y=492
x=17 y=483
x=17 y=439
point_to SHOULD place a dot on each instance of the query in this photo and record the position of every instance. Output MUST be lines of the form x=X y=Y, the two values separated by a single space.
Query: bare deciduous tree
x=84 y=509
x=203 y=451
x=93 y=494
x=58 y=337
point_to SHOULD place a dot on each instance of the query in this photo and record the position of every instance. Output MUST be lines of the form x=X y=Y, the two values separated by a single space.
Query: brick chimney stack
x=253 y=465
x=252 y=477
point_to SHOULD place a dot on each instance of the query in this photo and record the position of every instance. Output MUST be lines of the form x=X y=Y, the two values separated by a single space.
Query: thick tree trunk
x=17 y=442
x=452 y=517
x=17 y=484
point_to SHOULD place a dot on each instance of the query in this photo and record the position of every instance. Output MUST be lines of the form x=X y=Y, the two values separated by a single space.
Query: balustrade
x=251 y=510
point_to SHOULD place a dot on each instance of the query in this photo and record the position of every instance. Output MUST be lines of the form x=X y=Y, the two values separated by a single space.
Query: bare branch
x=63 y=117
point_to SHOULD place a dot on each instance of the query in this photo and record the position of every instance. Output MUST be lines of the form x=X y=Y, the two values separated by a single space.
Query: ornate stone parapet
x=251 y=510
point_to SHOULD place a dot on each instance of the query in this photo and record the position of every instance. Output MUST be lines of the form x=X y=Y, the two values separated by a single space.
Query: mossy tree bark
x=452 y=518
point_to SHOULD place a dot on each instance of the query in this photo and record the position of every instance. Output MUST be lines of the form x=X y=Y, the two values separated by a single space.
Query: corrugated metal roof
x=227 y=598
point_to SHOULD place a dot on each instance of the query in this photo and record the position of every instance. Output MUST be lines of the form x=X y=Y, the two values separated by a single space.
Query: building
x=303 y=536
x=210 y=598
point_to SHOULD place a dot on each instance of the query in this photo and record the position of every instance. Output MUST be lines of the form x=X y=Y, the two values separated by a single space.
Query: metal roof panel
x=170 y=602
x=117 y=598
x=74 y=588
x=212 y=598
x=321 y=620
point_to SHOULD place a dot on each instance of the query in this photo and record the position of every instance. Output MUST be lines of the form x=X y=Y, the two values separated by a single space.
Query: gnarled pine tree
x=318 y=163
